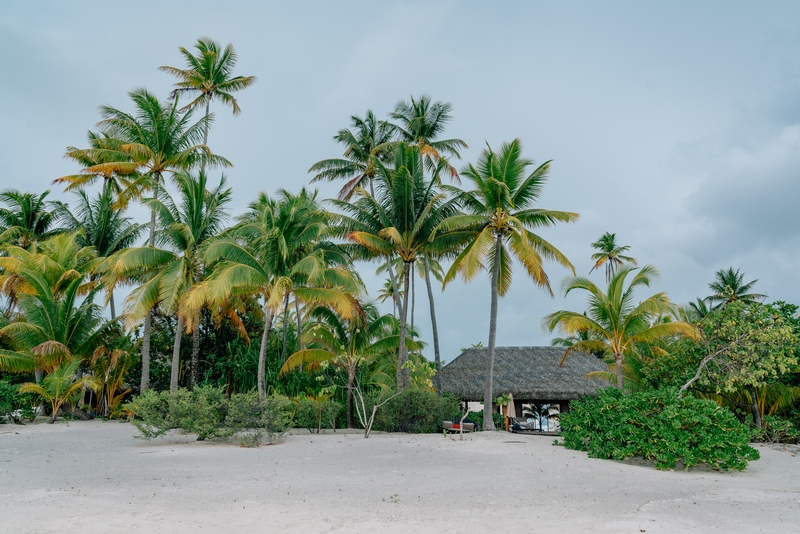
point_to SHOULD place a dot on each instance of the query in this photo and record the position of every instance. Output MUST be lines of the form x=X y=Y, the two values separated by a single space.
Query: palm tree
x=209 y=75
x=614 y=322
x=166 y=274
x=155 y=140
x=610 y=254
x=55 y=296
x=400 y=221
x=61 y=386
x=364 y=148
x=347 y=343
x=728 y=286
x=420 y=123
x=26 y=218
x=270 y=253
x=499 y=221
x=99 y=224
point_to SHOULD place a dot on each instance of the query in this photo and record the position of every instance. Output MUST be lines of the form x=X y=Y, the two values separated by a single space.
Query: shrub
x=15 y=405
x=778 y=430
x=207 y=412
x=316 y=413
x=657 y=425
x=477 y=418
x=416 y=411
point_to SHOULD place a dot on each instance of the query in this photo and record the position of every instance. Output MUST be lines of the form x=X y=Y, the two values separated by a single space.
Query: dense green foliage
x=12 y=401
x=316 y=413
x=416 y=411
x=657 y=425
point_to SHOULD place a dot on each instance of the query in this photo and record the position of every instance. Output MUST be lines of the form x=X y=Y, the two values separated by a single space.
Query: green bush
x=778 y=430
x=11 y=401
x=416 y=411
x=208 y=413
x=477 y=418
x=657 y=425
x=315 y=414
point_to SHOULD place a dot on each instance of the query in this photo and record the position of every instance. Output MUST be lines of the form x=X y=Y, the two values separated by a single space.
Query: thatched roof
x=528 y=373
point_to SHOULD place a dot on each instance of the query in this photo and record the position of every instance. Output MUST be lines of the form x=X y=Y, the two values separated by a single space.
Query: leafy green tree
x=400 y=221
x=499 y=220
x=270 y=253
x=610 y=254
x=60 y=386
x=165 y=274
x=99 y=224
x=744 y=346
x=614 y=321
x=209 y=75
x=25 y=218
x=728 y=286
x=366 y=144
x=155 y=140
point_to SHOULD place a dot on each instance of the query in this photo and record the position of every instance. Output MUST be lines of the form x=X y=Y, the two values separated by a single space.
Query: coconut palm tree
x=499 y=220
x=60 y=386
x=728 y=286
x=610 y=254
x=155 y=140
x=274 y=251
x=400 y=221
x=207 y=76
x=367 y=143
x=614 y=321
x=55 y=297
x=25 y=218
x=99 y=224
x=347 y=343
x=420 y=123
x=165 y=274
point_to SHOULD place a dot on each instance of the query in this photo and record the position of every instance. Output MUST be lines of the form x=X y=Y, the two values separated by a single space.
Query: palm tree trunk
x=434 y=328
x=299 y=323
x=176 y=356
x=285 y=325
x=620 y=376
x=111 y=306
x=402 y=357
x=401 y=306
x=756 y=408
x=144 y=384
x=262 y=354
x=488 y=422
x=196 y=350
x=148 y=320
x=413 y=297
x=351 y=376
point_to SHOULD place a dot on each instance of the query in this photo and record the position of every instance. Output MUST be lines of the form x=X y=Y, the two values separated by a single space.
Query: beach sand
x=95 y=477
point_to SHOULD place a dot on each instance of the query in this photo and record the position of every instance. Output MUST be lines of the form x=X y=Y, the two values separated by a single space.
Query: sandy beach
x=95 y=477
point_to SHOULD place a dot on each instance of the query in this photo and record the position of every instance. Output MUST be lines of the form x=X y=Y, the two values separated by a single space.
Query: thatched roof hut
x=530 y=374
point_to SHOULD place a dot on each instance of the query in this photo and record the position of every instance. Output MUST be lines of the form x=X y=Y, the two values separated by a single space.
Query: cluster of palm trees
x=286 y=258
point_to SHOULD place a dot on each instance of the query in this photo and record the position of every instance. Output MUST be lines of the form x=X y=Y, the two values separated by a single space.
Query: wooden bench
x=450 y=426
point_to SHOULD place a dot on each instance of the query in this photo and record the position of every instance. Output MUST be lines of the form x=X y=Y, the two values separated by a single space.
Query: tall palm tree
x=167 y=274
x=155 y=140
x=367 y=143
x=99 y=224
x=614 y=322
x=346 y=343
x=25 y=218
x=207 y=76
x=728 y=286
x=420 y=123
x=400 y=221
x=499 y=220
x=270 y=253
x=610 y=254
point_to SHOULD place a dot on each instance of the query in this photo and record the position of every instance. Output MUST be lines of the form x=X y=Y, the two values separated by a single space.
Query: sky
x=674 y=125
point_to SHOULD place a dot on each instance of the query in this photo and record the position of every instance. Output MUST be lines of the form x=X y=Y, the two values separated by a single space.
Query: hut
x=531 y=374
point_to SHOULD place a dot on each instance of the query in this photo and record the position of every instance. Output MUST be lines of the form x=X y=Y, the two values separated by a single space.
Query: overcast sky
x=677 y=126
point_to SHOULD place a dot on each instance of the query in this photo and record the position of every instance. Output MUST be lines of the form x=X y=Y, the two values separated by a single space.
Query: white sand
x=95 y=477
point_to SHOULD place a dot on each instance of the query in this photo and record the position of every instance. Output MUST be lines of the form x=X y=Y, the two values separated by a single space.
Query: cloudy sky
x=677 y=126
